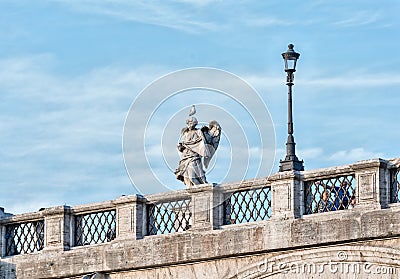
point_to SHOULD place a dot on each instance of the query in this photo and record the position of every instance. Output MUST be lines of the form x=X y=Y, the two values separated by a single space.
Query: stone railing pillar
x=131 y=217
x=287 y=195
x=373 y=179
x=2 y=234
x=206 y=206
x=58 y=229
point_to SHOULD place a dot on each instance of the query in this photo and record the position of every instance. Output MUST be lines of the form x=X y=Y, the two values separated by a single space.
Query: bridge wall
x=207 y=242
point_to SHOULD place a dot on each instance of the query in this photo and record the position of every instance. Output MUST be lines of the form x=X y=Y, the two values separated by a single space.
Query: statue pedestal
x=206 y=206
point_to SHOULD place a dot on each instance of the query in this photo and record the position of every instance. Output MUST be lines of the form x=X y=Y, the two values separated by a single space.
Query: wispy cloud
x=198 y=3
x=63 y=135
x=176 y=15
x=361 y=79
x=354 y=80
x=265 y=21
x=305 y=153
x=359 y=19
x=341 y=157
x=192 y=16
x=311 y=153
x=353 y=155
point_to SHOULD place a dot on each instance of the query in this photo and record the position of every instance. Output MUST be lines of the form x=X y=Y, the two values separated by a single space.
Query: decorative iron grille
x=169 y=217
x=395 y=185
x=329 y=194
x=93 y=228
x=24 y=238
x=248 y=206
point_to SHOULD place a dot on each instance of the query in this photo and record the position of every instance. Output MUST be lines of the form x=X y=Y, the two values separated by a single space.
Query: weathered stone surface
x=195 y=247
x=359 y=243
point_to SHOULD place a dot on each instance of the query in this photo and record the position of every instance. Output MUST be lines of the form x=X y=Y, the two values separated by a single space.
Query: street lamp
x=291 y=161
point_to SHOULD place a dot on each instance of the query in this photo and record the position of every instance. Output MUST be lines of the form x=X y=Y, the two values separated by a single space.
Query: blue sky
x=70 y=69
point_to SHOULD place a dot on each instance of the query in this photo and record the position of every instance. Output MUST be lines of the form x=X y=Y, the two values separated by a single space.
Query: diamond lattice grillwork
x=169 y=217
x=395 y=185
x=248 y=206
x=93 y=228
x=329 y=194
x=24 y=238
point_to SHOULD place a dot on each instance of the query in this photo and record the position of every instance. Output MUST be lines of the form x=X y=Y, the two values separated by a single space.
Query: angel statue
x=196 y=144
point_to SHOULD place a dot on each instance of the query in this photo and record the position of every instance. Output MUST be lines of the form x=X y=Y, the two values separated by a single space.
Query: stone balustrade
x=206 y=221
x=285 y=195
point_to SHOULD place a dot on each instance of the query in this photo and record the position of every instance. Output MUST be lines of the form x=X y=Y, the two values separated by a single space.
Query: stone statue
x=196 y=144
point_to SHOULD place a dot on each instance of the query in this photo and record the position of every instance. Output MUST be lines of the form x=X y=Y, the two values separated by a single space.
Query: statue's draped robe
x=197 y=144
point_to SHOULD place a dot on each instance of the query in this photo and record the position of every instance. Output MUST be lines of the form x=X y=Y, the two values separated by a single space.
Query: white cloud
x=353 y=155
x=359 y=19
x=61 y=136
x=342 y=157
x=198 y=3
x=310 y=153
x=266 y=22
x=66 y=134
x=148 y=12
x=363 y=78
x=352 y=80
x=192 y=16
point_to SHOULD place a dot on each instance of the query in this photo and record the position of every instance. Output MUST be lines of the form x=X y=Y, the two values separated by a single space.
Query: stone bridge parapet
x=215 y=231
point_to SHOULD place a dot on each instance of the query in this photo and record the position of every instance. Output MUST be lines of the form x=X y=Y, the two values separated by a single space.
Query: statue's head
x=191 y=122
x=213 y=123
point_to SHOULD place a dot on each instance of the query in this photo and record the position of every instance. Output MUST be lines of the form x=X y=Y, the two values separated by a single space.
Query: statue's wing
x=212 y=136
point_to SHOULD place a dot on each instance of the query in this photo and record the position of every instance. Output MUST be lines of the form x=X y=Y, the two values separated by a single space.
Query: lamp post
x=291 y=161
